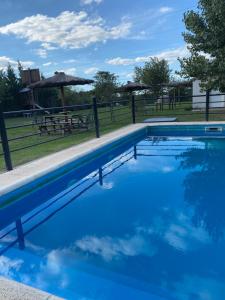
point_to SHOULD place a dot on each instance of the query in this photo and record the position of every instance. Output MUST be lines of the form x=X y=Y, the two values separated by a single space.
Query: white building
x=199 y=103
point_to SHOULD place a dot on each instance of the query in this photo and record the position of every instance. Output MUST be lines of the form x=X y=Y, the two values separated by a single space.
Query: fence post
x=207 y=105
x=133 y=109
x=4 y=139
x=95 y=110
x=162 y=104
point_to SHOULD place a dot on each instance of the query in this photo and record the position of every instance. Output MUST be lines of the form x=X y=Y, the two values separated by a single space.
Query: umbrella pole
x=32 y=99
x=63 y=97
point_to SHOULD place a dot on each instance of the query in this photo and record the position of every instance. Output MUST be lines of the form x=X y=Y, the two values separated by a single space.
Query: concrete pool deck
x=12 y=290
x=26 y=173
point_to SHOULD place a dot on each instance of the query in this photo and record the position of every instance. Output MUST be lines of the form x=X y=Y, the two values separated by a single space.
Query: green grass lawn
x=108 y=123
x=183 y=112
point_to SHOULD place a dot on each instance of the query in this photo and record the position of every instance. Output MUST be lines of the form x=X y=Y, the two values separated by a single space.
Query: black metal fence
x=204 y=107
x=25 y=134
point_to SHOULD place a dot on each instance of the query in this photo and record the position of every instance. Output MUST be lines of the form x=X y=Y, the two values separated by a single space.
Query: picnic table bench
x=64 y=122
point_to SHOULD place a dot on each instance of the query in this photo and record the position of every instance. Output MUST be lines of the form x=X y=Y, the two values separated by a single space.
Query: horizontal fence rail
x=31 y=131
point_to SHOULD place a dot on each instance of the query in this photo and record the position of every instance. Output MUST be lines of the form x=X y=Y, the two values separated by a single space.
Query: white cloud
x=114 y=248
x=41 y=52
x=69 y=61
x=71 y=30
x=89 y=2
x=47 y=64
x=122 y=61
x=53 y=262
x=167 y=169
x=181 y=234
x=69 y=71
x=170 y=55
x=53 y=266
x=165 y=9
x=4 y=61
x=92 y=70
x=126 y=75
x=48 y=46
x=107 y=185
x=9 y=266
x=130 y=75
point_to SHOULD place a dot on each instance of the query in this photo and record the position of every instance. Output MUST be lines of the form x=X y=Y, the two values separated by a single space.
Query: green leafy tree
x=48 y=97
x=105 y=85
x=11 y=86
x=74 y=97
x=205 y=38
x=154 y=73
x=2 y=86
x=20 y=70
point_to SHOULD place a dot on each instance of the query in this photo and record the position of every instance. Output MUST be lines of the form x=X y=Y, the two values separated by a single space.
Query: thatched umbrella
x=178 y=84
x=135 y=86
x=132 y=86
x=60 y=79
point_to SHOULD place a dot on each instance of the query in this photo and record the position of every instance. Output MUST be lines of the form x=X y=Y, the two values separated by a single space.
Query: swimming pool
x=142 y=218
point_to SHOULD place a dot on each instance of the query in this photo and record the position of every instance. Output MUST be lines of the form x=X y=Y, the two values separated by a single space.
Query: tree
x=2 y=86
x=48 y=97
x=105 y=85
x=20 y=71
x=154 y=73
x=10 y=86
x=74 y=97
x=205 y=38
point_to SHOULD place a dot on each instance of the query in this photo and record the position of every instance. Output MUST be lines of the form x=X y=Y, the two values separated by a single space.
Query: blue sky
x=83 y=36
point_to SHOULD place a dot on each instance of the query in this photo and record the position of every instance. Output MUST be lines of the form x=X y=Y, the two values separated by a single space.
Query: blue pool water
x=143 y=220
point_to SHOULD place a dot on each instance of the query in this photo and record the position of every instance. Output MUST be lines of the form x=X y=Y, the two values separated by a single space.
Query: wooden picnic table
x=64 y=122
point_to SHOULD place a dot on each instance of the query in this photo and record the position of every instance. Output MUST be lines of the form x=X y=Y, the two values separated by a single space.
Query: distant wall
x=200 y=102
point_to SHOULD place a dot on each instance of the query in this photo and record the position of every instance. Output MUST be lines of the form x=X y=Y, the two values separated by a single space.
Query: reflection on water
x=205 y=185
x=147 y=223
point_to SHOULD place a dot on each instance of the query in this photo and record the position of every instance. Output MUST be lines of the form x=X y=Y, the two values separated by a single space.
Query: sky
x=82 y=37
